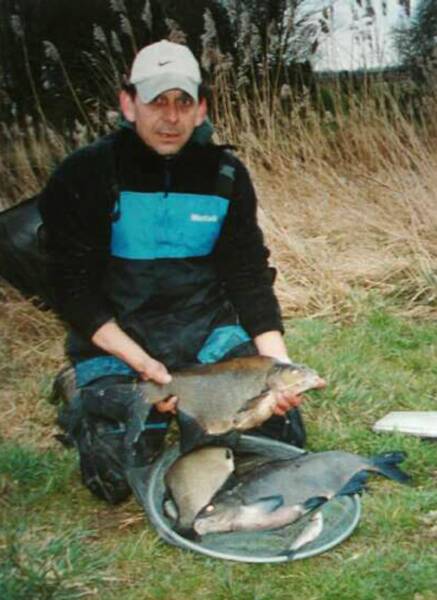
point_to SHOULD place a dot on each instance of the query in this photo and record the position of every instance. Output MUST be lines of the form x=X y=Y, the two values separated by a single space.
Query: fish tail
x=387 y=465
x=314 y=503
x=355 y=485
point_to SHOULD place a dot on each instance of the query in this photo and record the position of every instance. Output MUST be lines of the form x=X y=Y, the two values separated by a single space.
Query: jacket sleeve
x=242 y=261
x=76 y=232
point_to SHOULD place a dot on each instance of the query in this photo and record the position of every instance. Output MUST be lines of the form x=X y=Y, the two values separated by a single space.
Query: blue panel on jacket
x=221 y=341
x=174 y=226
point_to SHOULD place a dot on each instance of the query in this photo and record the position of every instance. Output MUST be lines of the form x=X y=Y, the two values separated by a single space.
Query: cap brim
x=150 y=88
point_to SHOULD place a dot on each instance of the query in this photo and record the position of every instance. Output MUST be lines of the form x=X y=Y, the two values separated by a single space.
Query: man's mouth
x=169 y=135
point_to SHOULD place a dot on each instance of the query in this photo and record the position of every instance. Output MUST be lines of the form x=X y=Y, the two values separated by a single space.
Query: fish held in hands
x=229 y=396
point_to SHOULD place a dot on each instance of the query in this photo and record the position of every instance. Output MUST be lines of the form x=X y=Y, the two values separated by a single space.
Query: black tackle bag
x=23 y=260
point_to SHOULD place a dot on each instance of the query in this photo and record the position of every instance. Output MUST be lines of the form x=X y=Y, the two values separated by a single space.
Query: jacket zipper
x=167 y=177
x=165 y=206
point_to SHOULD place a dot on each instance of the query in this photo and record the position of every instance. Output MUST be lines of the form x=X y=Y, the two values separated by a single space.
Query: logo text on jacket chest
x=204 y=218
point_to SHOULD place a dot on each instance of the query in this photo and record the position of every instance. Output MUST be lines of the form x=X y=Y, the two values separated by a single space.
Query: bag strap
x=224 y=184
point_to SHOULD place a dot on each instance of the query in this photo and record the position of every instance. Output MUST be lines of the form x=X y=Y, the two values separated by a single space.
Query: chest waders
x=112 y=441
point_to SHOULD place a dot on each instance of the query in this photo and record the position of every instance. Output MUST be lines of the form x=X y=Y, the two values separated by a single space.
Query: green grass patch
x=29 y=476
x=44 y=564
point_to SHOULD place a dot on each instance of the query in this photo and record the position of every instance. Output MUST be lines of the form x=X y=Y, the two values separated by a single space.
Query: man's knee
x=100 y=441
x=102 y=456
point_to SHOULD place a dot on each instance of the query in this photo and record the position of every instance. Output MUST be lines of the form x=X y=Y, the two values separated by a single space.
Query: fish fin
x=387 y=464
x=270 y=503
x=138 y=413
x=230 y=483
x=192 y=434
x=230 y=439
x=249 y=404
x=170 y=509
x=310 y=532
x=314 y=503
x=355 y=485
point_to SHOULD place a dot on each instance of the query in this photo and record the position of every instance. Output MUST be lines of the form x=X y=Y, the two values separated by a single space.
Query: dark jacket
x=147 y=241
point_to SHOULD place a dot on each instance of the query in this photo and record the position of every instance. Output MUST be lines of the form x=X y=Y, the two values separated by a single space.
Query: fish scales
x=238 y=393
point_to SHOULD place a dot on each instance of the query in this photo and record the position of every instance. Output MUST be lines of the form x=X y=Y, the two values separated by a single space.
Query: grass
x=57 y=541
x=41 y=563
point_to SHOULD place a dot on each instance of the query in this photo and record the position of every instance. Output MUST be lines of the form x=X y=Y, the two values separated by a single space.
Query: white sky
x=355 y=39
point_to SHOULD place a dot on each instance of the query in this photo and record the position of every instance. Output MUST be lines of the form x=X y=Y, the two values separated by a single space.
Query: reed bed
x=348 y=199
x=348 y=202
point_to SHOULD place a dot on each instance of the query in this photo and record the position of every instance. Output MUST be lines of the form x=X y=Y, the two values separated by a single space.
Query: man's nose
x=171 y=113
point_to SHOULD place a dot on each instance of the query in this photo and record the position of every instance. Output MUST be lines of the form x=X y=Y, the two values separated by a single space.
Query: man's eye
x=186 y=101
x=158 y=101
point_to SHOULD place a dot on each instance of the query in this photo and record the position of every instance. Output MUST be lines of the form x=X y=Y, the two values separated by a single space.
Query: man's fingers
x=280 y=412
x=162 y=377
x=155 y=371
x=282 y=405
x=167 y=405
x=285 y=402
x=159 y=373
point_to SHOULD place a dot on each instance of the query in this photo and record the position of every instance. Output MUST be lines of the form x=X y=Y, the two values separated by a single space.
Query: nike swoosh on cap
x=165 y=62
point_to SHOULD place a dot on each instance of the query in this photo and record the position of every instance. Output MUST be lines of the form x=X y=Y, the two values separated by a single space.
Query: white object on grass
x=420 y=423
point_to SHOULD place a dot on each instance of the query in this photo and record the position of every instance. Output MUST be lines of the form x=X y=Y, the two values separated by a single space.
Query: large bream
x=213 y=400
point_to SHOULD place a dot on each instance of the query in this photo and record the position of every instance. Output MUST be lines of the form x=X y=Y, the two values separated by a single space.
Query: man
x=158 y=261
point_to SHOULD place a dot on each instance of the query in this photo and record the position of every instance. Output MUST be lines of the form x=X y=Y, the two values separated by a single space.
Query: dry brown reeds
x=31 y=352
x=347 y=198
x=29 y=153
x=348 y=201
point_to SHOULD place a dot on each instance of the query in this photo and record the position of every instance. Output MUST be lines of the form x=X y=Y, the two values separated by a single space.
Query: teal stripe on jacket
x=155 y=225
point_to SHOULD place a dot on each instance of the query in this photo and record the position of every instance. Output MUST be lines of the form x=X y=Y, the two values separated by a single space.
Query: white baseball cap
x=165 y=66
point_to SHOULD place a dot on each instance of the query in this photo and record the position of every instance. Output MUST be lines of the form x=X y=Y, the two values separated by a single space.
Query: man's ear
x=202 y=111
x=127 y=106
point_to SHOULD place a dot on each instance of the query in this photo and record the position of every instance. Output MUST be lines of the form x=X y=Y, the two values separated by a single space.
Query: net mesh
x=339 y=516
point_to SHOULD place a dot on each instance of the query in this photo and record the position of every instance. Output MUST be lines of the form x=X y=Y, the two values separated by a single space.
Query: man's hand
x=167 y=405
x=271 y=344
x=286 y=401
x=147 y=367
x=111 y=338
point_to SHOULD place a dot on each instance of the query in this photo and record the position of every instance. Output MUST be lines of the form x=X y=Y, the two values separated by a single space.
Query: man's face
x=167 y=122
